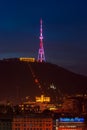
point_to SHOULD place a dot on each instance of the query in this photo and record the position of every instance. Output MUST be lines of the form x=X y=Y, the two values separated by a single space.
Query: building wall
x=26 y=123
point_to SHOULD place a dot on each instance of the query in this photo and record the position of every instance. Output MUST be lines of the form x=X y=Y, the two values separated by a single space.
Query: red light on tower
x=41 y=55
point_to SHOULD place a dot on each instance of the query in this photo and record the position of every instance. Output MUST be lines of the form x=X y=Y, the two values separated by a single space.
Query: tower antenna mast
x=41 y=55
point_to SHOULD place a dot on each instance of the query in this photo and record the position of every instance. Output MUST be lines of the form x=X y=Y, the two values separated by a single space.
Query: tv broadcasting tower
x=41 y=55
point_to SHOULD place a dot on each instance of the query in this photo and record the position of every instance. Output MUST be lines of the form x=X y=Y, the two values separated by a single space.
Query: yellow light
x=27 y=59
x=42 y=99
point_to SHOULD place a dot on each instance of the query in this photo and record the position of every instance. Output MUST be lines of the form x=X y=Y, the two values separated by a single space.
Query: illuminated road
x=35 y=78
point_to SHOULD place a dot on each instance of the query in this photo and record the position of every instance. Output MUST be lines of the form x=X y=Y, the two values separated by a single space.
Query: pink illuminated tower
x=41 y=55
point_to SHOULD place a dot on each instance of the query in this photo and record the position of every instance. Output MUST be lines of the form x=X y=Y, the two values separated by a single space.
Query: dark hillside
x=20 y=79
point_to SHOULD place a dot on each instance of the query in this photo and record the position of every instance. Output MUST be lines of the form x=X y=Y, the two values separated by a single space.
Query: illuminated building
x=29 y=107
x=44 y=103
x=42 y=99
x=27 y=59
x=32 y=122
x=70 y=123
x=41 y=55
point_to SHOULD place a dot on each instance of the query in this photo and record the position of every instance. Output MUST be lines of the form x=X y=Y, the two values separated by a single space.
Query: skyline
x=64 y=31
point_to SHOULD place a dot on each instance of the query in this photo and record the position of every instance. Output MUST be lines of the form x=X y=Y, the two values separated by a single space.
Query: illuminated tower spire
x=41 y=55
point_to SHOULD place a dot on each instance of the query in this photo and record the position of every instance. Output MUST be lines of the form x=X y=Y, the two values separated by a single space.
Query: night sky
x=64 y=31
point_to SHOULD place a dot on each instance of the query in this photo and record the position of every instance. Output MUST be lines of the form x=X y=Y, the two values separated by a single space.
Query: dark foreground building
x=5 y=122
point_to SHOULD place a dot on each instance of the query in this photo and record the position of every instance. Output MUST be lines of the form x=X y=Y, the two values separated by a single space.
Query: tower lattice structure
x=41 y=55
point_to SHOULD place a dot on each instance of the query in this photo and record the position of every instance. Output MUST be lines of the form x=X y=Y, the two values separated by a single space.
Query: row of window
x=33 y=124
x=32 y=120
x=32 y=129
